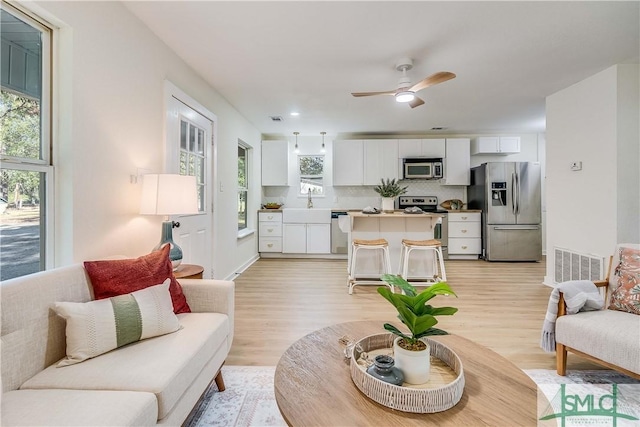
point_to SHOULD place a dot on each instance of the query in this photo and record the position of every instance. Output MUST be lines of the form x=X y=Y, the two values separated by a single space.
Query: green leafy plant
x=413 y=310
x=390 y=188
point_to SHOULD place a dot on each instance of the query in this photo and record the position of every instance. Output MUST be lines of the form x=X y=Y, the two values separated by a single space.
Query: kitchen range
x=429 y=204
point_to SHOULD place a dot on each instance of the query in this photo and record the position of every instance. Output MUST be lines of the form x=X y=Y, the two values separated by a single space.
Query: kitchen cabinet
x=269 y=231
x=306 y=238
x=465 y=240
x=275 y=163
x=432 y=148
x=348 y=162
x=380 y=160
x=457 y=163
x=495 y=145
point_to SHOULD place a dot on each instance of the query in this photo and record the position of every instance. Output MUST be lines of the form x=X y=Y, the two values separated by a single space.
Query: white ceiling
x=270 y=58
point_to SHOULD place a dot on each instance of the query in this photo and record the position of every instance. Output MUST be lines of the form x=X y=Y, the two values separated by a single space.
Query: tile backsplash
x=358 y=197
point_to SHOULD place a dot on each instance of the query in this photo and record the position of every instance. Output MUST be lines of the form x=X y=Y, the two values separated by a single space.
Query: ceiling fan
x=406 y=92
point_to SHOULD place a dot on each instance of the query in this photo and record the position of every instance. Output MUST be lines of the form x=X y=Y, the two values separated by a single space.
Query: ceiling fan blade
x=433 y=79
x=389 y=92
x=416 y=102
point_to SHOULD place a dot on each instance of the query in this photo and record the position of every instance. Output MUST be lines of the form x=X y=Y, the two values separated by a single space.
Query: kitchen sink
x=306 y=216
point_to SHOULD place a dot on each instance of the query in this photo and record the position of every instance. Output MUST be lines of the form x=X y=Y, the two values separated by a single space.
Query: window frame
x=322 y=176
x=43 y=164
x=247 y=149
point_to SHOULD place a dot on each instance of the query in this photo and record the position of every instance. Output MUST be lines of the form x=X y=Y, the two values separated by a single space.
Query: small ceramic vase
x=384 y=370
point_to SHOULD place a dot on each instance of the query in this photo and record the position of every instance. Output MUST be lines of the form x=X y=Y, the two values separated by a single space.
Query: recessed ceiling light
x=295 y=113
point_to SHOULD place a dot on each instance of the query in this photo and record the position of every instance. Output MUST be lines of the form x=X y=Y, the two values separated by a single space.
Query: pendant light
x=295 y=148
x=322 y=149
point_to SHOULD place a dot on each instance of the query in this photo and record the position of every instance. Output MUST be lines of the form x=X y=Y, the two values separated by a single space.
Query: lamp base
x=175 y=252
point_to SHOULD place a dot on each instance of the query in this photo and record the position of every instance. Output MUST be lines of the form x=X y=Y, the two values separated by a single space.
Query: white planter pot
x=388 y=204
x=415 y=365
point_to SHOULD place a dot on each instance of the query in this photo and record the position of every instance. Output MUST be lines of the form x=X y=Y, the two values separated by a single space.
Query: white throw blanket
x=579 y=295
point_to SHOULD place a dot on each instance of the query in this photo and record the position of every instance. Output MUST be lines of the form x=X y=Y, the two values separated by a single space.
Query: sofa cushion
x=96 y=327
x=78 y=408
x=609 y=335
x=164 y=365
x=626 y=297
x=111 y=278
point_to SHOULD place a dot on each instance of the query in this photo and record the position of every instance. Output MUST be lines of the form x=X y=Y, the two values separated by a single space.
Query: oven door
x=423 y=170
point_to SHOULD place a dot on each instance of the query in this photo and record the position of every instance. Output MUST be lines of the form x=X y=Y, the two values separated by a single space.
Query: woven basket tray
x=408 y=399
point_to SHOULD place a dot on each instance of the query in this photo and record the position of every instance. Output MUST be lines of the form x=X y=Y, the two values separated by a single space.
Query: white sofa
x=154 y=381
x=608 y=337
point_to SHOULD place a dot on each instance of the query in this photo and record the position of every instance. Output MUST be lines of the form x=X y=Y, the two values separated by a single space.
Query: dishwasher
x=339 y=239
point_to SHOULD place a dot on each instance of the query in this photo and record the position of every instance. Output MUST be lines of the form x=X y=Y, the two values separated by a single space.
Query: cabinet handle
x=464 y=247
x=463 y=217
x=269 y=230
x=269 y=245
x=270 y=217
x=463 y=231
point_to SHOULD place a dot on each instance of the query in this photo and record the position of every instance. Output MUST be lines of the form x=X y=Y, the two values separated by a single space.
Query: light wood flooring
x=501 y=306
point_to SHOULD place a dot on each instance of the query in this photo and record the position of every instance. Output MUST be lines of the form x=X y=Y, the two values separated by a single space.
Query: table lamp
x=169 y=194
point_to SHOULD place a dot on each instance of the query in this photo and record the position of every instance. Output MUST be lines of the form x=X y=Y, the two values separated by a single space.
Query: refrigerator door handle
x=520 y=227
x=513 y=193
x=517 y=194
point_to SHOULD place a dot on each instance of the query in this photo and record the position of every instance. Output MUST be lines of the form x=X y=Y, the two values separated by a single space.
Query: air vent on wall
x=570 y=265
x=276 y=118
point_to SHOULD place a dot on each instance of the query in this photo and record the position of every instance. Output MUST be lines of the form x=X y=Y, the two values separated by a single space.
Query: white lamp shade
x=169 y=194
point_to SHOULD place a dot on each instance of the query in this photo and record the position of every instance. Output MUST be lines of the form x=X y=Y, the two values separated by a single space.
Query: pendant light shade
x=322 y=149
x=296 y=149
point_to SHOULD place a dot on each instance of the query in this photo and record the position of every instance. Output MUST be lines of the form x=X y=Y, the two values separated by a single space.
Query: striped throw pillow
x=96 y=327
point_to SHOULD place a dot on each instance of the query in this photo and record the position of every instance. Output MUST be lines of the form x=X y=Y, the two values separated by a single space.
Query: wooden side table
x=188 y=271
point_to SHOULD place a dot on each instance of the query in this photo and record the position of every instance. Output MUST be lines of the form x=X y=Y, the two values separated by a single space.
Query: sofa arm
x=209 y=296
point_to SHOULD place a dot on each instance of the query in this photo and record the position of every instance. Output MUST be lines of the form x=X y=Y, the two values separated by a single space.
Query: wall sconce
x=295 y=148
x=169 y=194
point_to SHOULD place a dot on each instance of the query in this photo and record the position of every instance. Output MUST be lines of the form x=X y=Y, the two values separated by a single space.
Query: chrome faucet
x=309 y=201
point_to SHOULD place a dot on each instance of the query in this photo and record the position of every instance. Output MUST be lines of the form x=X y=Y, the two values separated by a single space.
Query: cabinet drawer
x=458 y=245
x=270 y=229
x=464 y=229
x=464 y=217
x=270 y=244
x=270 y=216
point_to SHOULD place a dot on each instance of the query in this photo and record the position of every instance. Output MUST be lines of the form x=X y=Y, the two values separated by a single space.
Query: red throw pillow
x=123 y=276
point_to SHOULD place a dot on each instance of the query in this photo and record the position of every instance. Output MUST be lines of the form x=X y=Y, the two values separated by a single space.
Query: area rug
x=249 y=401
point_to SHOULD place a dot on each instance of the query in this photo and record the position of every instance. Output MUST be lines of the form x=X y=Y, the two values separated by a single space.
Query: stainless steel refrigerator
x=509 y=195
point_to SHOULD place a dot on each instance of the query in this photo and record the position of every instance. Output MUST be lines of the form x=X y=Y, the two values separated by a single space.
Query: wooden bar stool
x=379 y=245
x=439 y=274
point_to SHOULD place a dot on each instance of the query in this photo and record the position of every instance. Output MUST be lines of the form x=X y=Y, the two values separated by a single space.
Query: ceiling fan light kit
x=405 y=92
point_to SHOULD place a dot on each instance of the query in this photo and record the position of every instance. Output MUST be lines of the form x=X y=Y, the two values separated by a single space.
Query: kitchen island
x=393 y=227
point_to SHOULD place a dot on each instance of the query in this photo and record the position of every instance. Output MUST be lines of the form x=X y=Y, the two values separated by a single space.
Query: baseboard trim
x=243 y=267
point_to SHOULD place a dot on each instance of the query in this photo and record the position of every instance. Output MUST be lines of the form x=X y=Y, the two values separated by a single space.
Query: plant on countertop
x=414 y=312
x=390 y=188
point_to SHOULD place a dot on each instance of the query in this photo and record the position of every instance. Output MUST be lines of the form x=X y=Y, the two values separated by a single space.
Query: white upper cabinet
x=348 y=162
x=275 y=163
x=380 y=160
x=495 y=145
x=432 y=148
x=457 y=162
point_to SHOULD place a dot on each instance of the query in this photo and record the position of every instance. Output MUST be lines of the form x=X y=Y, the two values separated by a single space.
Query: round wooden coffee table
x=313 y=386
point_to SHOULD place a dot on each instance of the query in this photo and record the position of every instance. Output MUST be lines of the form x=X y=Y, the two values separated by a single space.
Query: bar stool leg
x=351 y=279
x=387 y=266
x=443 y=273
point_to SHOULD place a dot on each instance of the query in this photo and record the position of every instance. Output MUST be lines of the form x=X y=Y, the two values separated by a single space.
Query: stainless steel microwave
x=422 y=168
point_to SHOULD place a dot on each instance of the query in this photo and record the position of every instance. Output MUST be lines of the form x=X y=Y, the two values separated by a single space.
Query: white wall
x=110 y=107
x=586 y=210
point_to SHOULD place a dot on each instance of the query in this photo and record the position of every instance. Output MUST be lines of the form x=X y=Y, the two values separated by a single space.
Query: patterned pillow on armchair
x=626 y=296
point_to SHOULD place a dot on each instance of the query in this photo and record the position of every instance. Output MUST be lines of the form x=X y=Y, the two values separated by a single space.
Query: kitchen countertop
x=464 y=210
x=396 y=214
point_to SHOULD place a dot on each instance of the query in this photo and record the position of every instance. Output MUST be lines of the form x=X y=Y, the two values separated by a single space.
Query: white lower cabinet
x=270 y=231
x=465 y=239
x=306 y=238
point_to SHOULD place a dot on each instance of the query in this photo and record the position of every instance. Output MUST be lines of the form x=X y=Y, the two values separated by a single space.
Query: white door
x=190 y=134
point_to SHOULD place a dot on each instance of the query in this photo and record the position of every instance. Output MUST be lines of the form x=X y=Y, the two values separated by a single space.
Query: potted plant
x=411 y=351
x=389 y=190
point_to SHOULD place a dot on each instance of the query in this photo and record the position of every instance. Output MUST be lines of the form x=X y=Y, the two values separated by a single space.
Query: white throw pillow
x=99 y=326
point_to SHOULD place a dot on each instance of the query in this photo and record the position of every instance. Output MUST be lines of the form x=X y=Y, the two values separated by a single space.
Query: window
x=25 y=145
x=192 y=156
x=311 y=170
x=243 y=186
